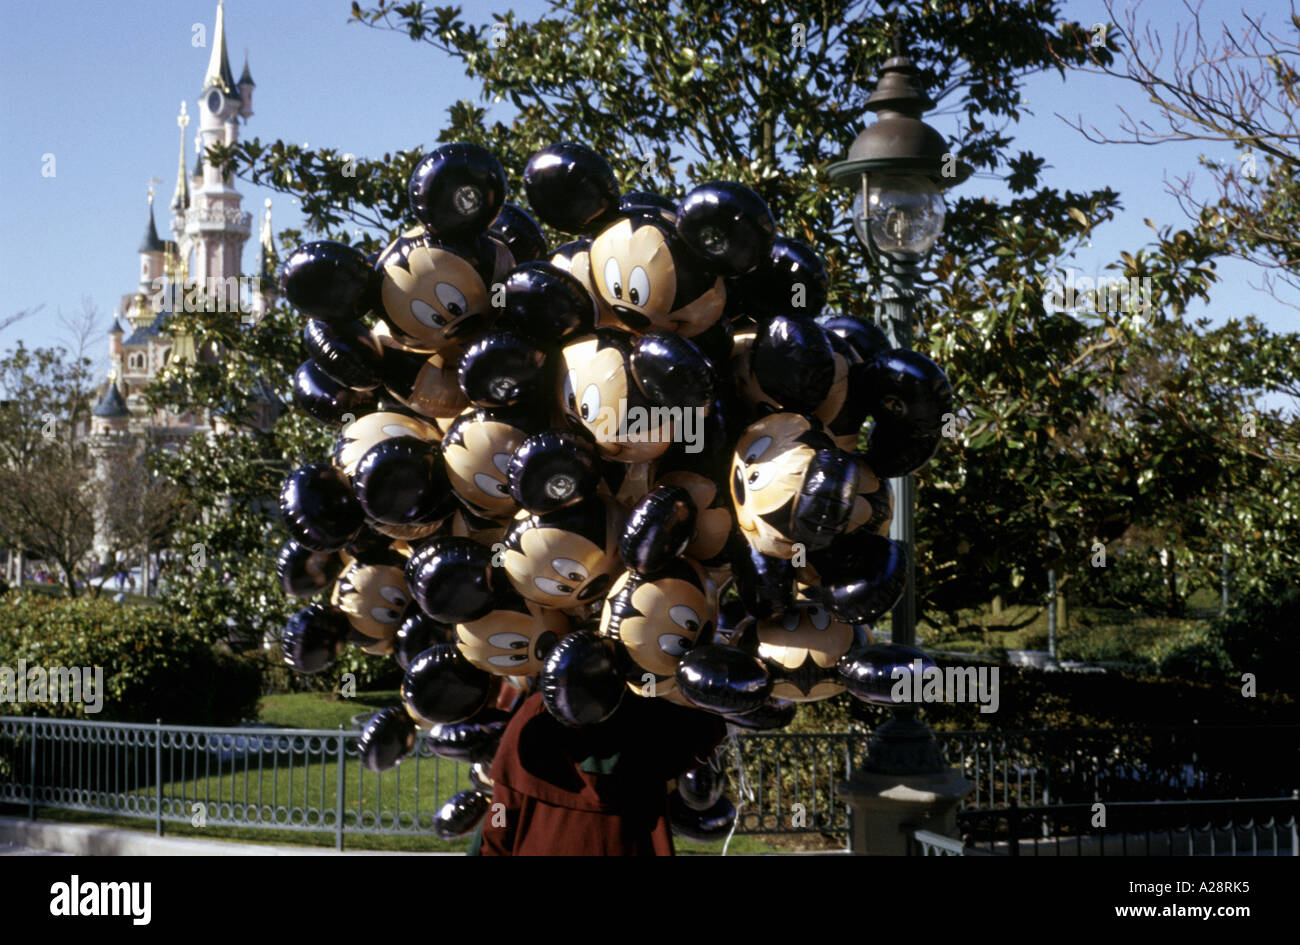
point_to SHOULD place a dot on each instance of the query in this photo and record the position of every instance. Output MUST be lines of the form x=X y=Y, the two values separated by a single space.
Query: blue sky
x=99 y=86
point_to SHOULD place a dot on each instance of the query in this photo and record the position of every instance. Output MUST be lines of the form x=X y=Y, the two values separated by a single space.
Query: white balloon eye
x=790 y=620
x=384 y=615
x=590 y=408
x=613 y=278
x=509 y=641
x=684 y=617
x=819 y=618
x=759 y=477
x=638 y=287
x=502 y=462
x=490 y=486
x=573 y=570
x=508 y=659
x=555 y=588
x=674 y=644
x=426 y=314
x=757 y=449
x=394 y=595
x=571 y=385
x=452 y=299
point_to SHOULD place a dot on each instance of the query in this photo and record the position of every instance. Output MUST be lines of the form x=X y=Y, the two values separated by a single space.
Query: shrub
x=151 y=669
x=1261 y=634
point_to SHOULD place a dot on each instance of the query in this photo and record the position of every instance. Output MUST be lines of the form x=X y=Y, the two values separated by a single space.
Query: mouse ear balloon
x=389 y=736
x=417 y=632
x=701 y=786
x=347 y=353
x=872 y=672
x=552 y=469
x=548 y=304
x=581 y=681
x=790 y=281
x=502 y=369
x=461 y=814
x=313 y=638
x=305 y=573
x=457 y=190
x=520 y=232
x=723 y=679
x=570 y=187
x=451 y=579
x=319 y=509
x=442 y=686
x=658 y=530
x=402 y=481
x=330 y=281
x=863 y=575
x=672 y=371
x=728 y=224
x=701 y=826
x=318 y=395
x=793 y=362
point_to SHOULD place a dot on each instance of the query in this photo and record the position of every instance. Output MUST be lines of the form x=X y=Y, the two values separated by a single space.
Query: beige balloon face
x=511 y=642
x=578 y=265
x=659 y=620
x=432 y=297
x=633 y=270
x=873 y=508
x=804 y=645
x=477 y=454
x=373 y=596
x=595 y=385
x=360 y=435
x=767 y=472
x=436 y=392
x=550 y=562
x=712 y=521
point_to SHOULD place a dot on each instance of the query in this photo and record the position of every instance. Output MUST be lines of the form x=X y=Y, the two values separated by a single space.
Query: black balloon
x=570 y=187
x=864 y=339
x=723 y=679
x=548 y=304
x=825 y=500
x=402 y=481
x=347 y=353
x=319 y=395
x=457 y=190
x=773 y=715
x=520 y=232
x=728 y=224
x=639 y=201
x=658 y=529
x=479 y=776
x=305 y=573
x=862 y=576
x=872 y=672
x=474 y=739
x=581 y=680
x=909 y=389
x=672 y=371
x=417 y=632
x=791 y=281
x=461 y=814
x=329 y=281
x=794 y=363
x=313 y=638
x=451 y=579
x=441 y=686
x=765 y=583
x=899 y=449
x=701 y=826
x=319 y=509
x=502 y=369
x=387 y=738
x=552 y=469
x=701 y=786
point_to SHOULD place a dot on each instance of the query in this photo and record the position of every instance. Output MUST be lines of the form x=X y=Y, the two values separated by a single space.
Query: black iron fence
x=300 y=780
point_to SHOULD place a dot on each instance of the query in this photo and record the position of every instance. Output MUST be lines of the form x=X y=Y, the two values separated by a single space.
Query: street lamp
x=898 y=168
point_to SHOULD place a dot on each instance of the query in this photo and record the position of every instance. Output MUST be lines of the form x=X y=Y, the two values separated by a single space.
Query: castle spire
x=266 y=251
x=150 y=243
x=181 y=196
x=219 y=74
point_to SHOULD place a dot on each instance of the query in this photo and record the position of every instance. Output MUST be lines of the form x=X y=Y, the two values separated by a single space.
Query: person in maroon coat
x=600 y=790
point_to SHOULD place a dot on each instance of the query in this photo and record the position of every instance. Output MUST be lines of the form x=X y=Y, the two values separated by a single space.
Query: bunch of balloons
x=625 y=467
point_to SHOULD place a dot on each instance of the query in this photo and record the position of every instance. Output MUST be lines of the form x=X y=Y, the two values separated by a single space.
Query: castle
x=208 y=230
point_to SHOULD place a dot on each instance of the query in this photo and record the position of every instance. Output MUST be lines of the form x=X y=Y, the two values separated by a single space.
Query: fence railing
x=313 y=781
x=1238 y=827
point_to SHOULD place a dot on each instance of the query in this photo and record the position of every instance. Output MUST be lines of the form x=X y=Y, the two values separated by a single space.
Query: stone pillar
x=903 y=785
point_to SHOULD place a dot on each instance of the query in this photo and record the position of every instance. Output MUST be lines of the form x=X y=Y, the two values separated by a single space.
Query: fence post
x=157 y=776
x=31 y=774
x=1013 y=829
x=1295 y=824
x=338 y=801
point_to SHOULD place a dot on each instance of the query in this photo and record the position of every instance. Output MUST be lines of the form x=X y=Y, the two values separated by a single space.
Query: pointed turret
x=181 y=196
x=111 y=406
x=266 y=257
x=246 y=86
x=150 y=243
x=219 y=75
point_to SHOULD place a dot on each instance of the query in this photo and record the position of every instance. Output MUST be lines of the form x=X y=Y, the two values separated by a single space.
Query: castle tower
x=215 y=226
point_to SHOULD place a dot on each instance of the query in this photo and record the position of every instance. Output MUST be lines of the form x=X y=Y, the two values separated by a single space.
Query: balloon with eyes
x=658 y=618
x=372 y=593
x=565 y=558
x=802 y=648
x=632 y=394
x=513 y=638
x=650 y=269
x=477 y=450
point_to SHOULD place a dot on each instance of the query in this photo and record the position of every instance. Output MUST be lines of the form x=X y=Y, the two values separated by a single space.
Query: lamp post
x=898 y=167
